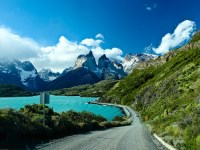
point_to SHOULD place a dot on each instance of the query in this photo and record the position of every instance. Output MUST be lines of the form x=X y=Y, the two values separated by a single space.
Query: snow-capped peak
x=48 y=75
x=130 y=60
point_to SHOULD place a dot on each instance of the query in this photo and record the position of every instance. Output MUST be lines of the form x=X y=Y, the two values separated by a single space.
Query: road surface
x=133 y=137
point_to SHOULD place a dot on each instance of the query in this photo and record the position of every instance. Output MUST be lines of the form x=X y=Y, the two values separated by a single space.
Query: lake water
x=63 y=103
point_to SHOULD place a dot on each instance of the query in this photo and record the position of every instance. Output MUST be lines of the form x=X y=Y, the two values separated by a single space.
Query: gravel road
x=133 y=137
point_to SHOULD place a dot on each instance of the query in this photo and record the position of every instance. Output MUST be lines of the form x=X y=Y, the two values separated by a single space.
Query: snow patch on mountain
x=130 y=60
x=105 y=69
x=24 y=75
x=48 y=75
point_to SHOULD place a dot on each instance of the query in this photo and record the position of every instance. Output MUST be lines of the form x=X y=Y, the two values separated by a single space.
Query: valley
x=165 y=91
x=100 y=74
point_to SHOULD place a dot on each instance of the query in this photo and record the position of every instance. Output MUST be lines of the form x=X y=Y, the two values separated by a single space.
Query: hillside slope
x=166 y=92
x=13 y=91
x=88 y=90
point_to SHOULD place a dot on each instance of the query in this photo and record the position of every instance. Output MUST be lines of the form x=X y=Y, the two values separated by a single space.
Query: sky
x=52 y=33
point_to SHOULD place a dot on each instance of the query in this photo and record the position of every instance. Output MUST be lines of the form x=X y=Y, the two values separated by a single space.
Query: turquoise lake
x=63 y=103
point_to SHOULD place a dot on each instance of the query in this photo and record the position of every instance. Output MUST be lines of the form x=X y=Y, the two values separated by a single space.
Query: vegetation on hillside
x=13 y=91
x=167 y=96
x=94 y=90
x=25 y=126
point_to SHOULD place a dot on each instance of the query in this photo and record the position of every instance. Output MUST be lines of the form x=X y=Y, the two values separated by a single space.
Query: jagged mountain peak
x=23 y=74
x=105 y=69
x=28 y=66
x=90 y=54
x=132 y=60
x=103 y=57
x=86 y=61
x=48 y=75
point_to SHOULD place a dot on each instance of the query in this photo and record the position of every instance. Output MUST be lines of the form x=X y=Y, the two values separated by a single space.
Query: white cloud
x=113 y=54
x=60 y=56
x=13 y=45
x=56 y=57
x=65 y=53
x=182 y=34
x=91 y=42
x=99 y=36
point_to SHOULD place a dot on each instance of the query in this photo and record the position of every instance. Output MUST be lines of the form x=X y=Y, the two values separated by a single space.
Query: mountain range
x=87 y=70
x=22 y=74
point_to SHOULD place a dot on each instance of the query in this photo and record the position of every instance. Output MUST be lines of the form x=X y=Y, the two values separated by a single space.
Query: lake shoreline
x=62 y=104
x=123 y=109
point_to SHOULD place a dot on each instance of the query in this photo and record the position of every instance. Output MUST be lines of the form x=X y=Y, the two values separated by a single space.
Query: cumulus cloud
x=99 y=36
x=113 y=53
x=65 y=53
x=181 y=35
x=91 y=42
x=60 y=56
x=56 y=57
x=13 y=45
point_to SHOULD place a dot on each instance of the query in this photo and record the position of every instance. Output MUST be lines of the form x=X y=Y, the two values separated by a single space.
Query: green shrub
x=106 y=124
x=27 y=124
x=119 y=118
x=198 y=141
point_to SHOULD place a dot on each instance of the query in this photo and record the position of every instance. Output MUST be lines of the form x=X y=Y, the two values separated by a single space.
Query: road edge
x=128 y=114
x=163 y=142
x=122 y=107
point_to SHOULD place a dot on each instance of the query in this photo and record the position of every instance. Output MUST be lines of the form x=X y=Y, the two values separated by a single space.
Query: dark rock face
x=86 y=71
x=110 y=70
x=86 y=61
x=105 y=68
x=74 y=77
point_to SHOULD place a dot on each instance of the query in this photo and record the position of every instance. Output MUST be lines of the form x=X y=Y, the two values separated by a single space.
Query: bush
x=186 y=121
x=198 y=141
x=119 y=118
x=179 y=143
x=27 y=124
x=106 y=124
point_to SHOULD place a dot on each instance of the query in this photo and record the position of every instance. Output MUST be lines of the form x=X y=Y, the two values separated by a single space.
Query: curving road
x=133 y=137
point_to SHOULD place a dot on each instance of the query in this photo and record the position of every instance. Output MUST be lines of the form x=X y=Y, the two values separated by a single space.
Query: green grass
x=167 y=96
x=13 y=91
x=94 y=90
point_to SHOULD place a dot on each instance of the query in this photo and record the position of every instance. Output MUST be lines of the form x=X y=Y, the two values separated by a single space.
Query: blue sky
x=128 y=25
